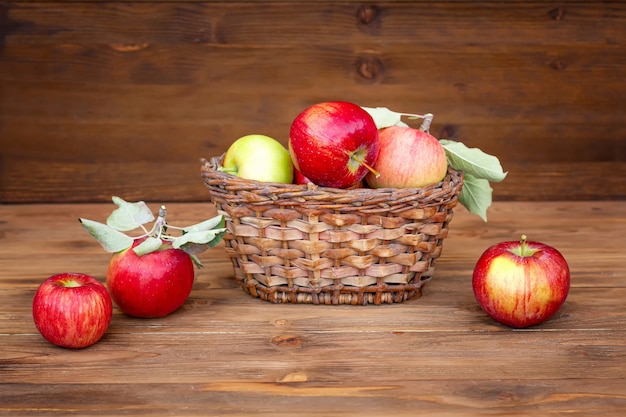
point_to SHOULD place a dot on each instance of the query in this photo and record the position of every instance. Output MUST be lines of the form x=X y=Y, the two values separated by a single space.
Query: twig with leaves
x=193 y=239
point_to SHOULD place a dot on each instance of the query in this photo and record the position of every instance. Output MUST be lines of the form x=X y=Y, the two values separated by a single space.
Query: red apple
x=408 y=158
x=72 y=310
x=298 y=178
x=151 y=285
x=334 y=144
x=521 y=284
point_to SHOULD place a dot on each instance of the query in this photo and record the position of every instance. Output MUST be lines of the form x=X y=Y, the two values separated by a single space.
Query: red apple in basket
x=72 y=310
x=521 y=284
x=298 y=178
x=408 y=158
x=150 y=285
x=334 y=144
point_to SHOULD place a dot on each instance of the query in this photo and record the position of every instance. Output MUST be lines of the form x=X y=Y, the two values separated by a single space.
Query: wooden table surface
x=225 y=353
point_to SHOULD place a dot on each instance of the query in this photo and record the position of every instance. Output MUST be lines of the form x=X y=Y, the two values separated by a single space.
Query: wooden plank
x=25 y=181
x=448 y=304
x=464 y=94
x=254 y=355
x=267 y=23
x=158 y=141
x=432 y=398
x=492 y=80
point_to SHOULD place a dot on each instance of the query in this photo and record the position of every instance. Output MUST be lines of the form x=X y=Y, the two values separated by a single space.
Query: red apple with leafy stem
x=151 y=285
x=521 y=283
x=151 y=275
x=72 y=310
x=334 y=144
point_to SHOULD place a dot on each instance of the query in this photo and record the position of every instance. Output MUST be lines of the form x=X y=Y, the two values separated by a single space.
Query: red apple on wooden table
x=72 y=310
x=521 y=283
x=151 y=285
x=408 y=158
x=334 y=144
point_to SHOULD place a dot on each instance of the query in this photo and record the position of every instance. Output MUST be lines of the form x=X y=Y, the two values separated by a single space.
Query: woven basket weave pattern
x=292 y=243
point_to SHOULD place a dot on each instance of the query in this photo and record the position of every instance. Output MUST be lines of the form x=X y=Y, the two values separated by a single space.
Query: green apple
x=259 y=158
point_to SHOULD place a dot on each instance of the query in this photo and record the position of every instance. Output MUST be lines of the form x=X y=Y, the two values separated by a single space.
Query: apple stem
x=160 y=226
x=523 y=245
x=428 y=119
x=228 y=170
x=362 y=162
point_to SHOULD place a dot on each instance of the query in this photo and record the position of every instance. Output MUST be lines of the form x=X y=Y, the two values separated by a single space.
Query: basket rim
x=453 y=182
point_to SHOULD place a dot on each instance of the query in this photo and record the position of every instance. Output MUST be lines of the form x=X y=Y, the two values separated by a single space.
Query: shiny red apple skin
x=408 y=158
x=300 y=179
x=72 y=310
x=326 y=140
x=521 y=291
x=152 y=285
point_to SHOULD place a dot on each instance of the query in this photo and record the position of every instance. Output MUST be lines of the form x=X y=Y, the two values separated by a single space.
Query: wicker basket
x=292 y=243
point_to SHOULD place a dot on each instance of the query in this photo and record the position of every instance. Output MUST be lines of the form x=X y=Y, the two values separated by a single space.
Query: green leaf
x=212 y=223
x=473 y=161
x=129 y=216
x=149 y=245
x=110 y=239
x=200 y=237
x=197 y=242
x=196 y=261
x=383 y=117
x=476 y=195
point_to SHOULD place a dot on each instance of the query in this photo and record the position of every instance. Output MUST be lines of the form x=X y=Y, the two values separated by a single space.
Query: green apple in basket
x=412 y=157
x=260 y=158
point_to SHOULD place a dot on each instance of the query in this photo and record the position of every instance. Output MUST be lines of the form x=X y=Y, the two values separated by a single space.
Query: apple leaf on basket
x=128 y=216
x=479 y=168
x=476 y=195
x=383 y=117
x=473 y=161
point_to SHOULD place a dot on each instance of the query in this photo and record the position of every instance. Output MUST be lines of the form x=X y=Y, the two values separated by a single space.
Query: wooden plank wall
x=102 y=98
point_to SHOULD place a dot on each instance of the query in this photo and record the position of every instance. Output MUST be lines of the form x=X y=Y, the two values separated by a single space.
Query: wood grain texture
x=100 y=98
x=226 y=353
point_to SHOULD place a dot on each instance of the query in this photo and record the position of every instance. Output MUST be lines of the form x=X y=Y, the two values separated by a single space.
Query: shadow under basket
x=304 y=244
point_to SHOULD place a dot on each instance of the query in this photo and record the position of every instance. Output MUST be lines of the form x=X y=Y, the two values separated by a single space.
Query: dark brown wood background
x=102 y=98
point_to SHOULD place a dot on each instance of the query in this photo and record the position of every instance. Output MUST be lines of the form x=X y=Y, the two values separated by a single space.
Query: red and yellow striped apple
x=72 y=310
x=408 y=158
x=521 y=283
